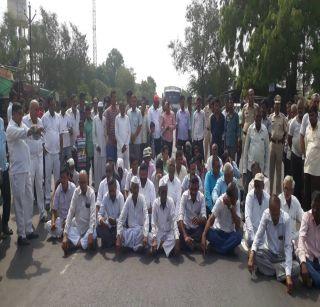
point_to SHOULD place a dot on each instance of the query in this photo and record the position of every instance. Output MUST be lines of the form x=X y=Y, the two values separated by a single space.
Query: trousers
x=270 y=264
x=314 y=272
x=99 y=168
x=297 y=174
x=125 y=157
x=207 y=144
x=76 y=237
x=108 y=235
x=36 y=175
x=224 y=242
x=23 y=204
x=6 y=197
x=276 y=151
x=59 y=228
x=311 y=184
x=52 y=165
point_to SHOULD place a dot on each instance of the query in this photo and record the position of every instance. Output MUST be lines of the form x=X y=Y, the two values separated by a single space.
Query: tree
x=124 y=81
x=272 y=41
x=113 y=64
x=201 y=53
x=147 y=88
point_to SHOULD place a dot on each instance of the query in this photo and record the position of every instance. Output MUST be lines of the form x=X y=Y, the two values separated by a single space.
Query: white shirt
x=305 y=123
x=294 y=131
x=134 y=215
x=65 y=124
x=223 y=218
x=183 y=173
x=188 y=210
x=154 y=116
x=174 y=190
x=144 y=129
x=278 y=237
x=110 y=208
x=82 y=211
x=198 y=125
x=164 y=218
x=9 y=111
x=266 y=185
x=122 y=130
x=51 y=125
x=256 y=149
x=148 y=192
x=19 y=153
x=295 y=212
x=186 y=181
x=35 y=145
x=75 y=177
x=253 y=212
x=75 y=120
x=98 y=136
x=103 y=190
x=312 y=159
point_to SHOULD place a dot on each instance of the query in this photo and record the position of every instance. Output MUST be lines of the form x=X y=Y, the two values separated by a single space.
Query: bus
x=172 y=94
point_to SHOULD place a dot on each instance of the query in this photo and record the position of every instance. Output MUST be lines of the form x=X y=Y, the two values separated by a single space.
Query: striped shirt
x=110 y=115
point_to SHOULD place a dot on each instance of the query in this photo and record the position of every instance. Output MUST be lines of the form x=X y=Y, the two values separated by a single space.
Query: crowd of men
x=147 y=194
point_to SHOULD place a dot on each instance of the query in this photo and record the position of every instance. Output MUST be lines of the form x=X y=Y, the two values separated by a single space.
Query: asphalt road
x=38 y=275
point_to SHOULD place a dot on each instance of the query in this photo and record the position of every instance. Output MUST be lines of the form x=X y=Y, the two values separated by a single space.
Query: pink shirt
x=167 y=120
x=309 y=238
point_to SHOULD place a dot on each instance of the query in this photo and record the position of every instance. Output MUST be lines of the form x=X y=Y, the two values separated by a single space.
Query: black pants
x=287 y=165
x=195 y=234
x=297 y=174
x=247 y=178
x=311 y=184
x=6 y=196
x=157 y=146
x=200 y=145
x=169 y=144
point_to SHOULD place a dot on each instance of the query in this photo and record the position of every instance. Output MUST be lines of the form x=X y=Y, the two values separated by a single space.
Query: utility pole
x=94 y=33
x=30 y=20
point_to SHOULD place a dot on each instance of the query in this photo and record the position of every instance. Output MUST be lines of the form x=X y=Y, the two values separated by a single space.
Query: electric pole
x=30 y=20
x=94 y=33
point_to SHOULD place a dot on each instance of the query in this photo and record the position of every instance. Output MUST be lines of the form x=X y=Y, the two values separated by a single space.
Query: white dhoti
x=75 y=236
x=132 y=237
x=52 y=165
x=99 y=168
x=59 y=228
x=124 y=156
x=36 y=175
x=23 y=204
x=168 y=241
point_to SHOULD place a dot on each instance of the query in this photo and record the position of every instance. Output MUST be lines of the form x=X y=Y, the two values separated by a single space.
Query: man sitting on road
x=192 y=215
x=108 y=215
x=165 y=233
x=222 y=183
x=192 y=173
x=223 y=228
x=81 y=219
x=255 y=169
x=308 y=244
x=103 y=187
x=271 y=250
x=257 y=201
x=133 y=223
x=291 y=205
x=61 y=205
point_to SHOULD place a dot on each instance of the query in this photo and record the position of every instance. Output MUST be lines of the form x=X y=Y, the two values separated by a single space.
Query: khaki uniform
x=279 y=128
x=207 y=132
x=248 y=115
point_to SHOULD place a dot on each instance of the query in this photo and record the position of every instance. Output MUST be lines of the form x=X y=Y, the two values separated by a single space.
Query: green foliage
x=201 y=53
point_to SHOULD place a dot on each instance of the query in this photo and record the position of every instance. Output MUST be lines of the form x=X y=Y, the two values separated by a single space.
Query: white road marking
x=68 y=264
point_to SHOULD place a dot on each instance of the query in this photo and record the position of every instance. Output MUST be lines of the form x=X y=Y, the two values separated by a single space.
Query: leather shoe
x=7 y=231
x=23 y=241
x=32 y=236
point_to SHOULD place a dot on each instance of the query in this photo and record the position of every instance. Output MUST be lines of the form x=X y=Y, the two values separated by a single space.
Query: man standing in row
x=279 y=127
x=207 y=132
x=198 y=126
x=154 y=115
x=183 y=125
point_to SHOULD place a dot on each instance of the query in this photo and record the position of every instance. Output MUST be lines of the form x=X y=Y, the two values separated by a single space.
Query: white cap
x=100 y=104
x=135 y=180
x=120 y=163
x=162 y=182
x=70 y=162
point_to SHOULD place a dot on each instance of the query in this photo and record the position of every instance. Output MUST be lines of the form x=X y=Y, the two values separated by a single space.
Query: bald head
x=274 y=208
x=33 y=109
x=83 y=181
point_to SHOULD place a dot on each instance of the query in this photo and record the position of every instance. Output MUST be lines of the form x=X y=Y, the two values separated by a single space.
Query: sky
x=140 y=29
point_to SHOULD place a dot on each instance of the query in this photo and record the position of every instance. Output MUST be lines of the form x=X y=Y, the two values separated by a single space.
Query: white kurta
x=164 y=225
x=81 y=219
x=136 y=217
x=99 y=140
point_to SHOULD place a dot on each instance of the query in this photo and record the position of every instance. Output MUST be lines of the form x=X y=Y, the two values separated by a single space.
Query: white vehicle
x=172 y=94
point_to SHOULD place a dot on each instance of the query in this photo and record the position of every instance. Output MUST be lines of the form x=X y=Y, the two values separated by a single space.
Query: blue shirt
x=209 y=184
x=232 y=130
x=183 y=124
x=221 y=188
x=3 y=149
